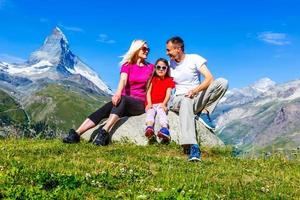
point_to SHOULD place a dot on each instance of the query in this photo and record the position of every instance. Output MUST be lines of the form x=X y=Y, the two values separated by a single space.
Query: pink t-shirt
x=137 y=80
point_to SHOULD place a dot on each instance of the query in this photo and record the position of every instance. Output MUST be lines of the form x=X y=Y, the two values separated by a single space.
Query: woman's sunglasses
x=161 y=67
x=144 y=49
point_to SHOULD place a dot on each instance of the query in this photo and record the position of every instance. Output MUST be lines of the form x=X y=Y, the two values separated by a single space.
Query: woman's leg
x=128 y=106
x=134 y=107
x=113 y=118
x=86 y=125
x=102 y=138
x=95 y=118
x=126 y=103
x=91 y=121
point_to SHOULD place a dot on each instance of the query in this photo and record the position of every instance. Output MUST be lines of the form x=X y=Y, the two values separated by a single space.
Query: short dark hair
x=177 y=41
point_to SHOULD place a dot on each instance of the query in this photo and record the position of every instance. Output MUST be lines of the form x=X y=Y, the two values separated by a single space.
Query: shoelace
x=101 y=137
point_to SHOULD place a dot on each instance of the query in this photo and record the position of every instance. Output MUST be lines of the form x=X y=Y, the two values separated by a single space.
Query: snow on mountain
x=42 y=63
x=263 y=85
x=28 y=70
x=244 y=102
x=260 y=114
x=55 y=48
x=54 y=60
x=248 y=94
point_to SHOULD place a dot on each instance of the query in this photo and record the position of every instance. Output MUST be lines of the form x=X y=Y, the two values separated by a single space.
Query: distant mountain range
x=264 y=115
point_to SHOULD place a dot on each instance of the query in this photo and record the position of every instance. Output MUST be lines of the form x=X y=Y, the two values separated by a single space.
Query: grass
x=48 y=169
x=62 y=107
x=10 y=110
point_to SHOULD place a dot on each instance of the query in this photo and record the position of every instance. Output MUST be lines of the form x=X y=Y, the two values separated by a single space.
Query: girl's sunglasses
x=163 y=68
x=144 y=49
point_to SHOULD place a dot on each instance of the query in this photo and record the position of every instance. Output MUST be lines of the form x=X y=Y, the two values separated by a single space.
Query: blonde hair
x=130 y=54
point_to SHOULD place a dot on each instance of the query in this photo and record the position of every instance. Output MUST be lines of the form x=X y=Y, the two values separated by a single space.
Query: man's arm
x=208 y=79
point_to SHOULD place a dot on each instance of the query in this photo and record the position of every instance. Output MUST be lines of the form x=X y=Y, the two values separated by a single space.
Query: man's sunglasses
x=144 y=49
x=161 y=67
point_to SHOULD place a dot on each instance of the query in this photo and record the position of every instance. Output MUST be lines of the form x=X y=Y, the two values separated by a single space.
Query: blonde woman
x=129 y=99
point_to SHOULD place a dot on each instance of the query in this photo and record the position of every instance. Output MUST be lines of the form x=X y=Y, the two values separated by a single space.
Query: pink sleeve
x=125 y=68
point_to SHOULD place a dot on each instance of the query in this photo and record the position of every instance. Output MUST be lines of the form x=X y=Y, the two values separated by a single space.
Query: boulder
x=131 y=129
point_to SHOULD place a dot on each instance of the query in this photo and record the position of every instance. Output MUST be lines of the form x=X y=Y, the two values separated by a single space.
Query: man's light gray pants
x=188 y=108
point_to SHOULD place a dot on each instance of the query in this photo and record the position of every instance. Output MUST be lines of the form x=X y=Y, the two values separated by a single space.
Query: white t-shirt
x=186 y=74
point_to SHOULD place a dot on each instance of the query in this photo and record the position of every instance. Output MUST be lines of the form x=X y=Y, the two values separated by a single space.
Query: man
x=192 y=97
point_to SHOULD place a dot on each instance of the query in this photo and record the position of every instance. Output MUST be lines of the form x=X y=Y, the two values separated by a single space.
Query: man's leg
x=187 y=135
x=208 y=100
x=187 y=122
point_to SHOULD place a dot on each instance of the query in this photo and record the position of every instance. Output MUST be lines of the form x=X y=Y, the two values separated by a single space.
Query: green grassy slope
x=10 y=111
x=48 y=169
x=63 y=107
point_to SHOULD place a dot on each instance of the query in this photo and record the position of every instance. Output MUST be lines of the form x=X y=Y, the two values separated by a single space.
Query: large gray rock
x=132 y=129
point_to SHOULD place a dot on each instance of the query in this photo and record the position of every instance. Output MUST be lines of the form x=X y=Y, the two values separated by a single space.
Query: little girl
x=158 y=95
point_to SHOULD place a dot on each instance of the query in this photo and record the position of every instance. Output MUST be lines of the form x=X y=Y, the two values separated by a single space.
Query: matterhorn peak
x=58 y=34
x=54 y=46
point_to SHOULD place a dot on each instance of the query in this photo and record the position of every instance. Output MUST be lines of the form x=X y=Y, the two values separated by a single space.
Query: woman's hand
x=116 y=99
x=148 y=107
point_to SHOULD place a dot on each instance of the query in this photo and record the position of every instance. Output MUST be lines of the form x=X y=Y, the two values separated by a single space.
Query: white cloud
x=71 y=28
x=279 y=39
x=11 y=58
x=103 y=38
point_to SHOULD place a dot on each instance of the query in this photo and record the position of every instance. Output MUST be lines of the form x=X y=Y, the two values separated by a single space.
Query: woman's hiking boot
x=73 y=137
x=102 y=138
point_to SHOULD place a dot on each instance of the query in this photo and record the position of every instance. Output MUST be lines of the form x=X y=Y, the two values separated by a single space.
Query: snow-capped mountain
x=247 y=94
x=54 y=60
x=262 y=114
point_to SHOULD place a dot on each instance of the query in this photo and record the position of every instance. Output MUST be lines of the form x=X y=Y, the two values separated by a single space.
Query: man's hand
x=148 y=107
x=190 y=94
x=116 y=99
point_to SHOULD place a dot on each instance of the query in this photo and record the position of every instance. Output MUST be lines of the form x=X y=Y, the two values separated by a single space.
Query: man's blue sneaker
x=195 y=154
x=206 y=121
x=164 y=134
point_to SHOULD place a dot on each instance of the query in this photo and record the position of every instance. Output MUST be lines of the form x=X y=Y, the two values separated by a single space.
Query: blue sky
x=243 y=41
